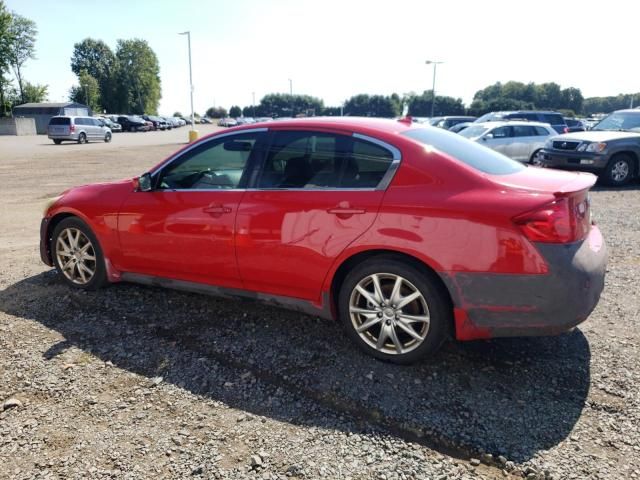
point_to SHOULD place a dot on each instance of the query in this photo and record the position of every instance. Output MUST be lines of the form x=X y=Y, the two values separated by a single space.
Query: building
x=42 y=112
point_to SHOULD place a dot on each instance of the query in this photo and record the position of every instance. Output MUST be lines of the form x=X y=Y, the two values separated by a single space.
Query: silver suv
x=77 y=129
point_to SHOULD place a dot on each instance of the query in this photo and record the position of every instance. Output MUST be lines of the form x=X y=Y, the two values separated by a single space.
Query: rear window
x=60 y=121
x=552 y=119
x=476 y=156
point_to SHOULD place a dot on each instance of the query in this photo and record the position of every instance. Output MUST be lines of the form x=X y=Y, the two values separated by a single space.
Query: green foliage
x=96 y=59
x=235 y=111
x=177 y=114
x=35 y=93
x=5 y=37
x=88 y=92
x=373 y=106
x=22 y=39
x=521 y=96
x=420 y=105
x=285 y=105
x=332 y=111
x=216 y=112
x=138 y=77
x=609 y=104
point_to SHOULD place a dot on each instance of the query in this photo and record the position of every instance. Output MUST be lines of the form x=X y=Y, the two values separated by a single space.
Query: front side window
x=311 y=160
x=501 y=132
x=218 y=164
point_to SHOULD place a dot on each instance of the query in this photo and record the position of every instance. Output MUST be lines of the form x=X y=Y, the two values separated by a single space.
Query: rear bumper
x=508 y=305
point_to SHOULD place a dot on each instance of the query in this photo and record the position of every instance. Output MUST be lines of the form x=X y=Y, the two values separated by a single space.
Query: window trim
x=383 y=184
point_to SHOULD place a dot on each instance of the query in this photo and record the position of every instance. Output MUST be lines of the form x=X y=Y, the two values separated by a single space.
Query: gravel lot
x=138 y=382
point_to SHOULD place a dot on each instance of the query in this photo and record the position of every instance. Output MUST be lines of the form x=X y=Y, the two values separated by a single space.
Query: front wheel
x=107 y=137
x=77 y=255
x=394 y=311
x=618 y=171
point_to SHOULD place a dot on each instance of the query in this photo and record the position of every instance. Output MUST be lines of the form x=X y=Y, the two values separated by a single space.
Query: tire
x=107 y=137
x=534 y=158
x=78 y=255
x=429 y=315
x=57 y=142
x=131 y=129
x=619 y=170
x=82 y=138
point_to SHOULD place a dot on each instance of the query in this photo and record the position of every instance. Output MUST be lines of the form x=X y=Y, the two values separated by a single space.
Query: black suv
x=554 y=119
x=132 y=123
x=610 y=149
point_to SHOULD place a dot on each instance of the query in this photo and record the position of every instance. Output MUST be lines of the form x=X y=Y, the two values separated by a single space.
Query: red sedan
x=406 y=234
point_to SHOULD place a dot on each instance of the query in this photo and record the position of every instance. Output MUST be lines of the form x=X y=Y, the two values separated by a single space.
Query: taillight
x=565 y=129
x=565 y=220
x=72 y=128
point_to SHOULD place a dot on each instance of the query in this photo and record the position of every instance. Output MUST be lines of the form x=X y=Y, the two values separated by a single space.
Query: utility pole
x=193 y=134
x=433 y=88
x=291 y=94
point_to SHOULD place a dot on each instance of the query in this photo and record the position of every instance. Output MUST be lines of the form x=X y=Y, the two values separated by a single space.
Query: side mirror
x=144 y=182
x=488 y=136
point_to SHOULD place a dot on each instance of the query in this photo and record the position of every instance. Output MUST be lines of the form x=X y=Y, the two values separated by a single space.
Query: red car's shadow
x=513 y=397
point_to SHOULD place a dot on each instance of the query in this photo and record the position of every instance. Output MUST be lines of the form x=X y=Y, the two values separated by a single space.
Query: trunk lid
x=546 y=180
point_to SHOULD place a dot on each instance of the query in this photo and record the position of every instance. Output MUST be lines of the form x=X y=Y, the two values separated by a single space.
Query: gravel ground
x=139 y=382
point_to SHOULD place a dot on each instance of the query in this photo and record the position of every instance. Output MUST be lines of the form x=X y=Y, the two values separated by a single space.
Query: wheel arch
x=355 y=259
x=51 y=226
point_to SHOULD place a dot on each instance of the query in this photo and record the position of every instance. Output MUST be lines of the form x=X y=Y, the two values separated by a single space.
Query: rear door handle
x=217 y=209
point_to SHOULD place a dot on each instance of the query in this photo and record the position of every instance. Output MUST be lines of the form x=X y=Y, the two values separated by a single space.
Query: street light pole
x=291 y=94
x=192 y=134
x=433 y=88
x=253 y=104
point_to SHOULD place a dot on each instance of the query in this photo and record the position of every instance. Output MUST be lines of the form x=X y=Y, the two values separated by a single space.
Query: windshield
x=476 y=156
x=473 y=131
x=489 y=117
x=620 y=121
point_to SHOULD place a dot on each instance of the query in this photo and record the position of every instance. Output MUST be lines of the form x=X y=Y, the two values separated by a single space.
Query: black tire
x=613 y=174
x=57 y=142
x=419 y=279
x=99 y=278
x=131 y=129
x=107 y=137
x=534 y=160
x=82 y=138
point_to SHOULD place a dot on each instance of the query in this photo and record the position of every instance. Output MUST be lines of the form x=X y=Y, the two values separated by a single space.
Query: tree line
x=127 y=80
x=17 y=46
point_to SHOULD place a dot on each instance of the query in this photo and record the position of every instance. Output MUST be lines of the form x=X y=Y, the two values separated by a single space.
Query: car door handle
x=345 y=212
x=217 y=209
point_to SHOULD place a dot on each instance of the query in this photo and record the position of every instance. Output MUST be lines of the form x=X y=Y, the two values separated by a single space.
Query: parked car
x=115 y=127
x=352 y=219
x=181 y=121
x=157 y=123
x=458 y=127
x=205 y=120
x=227 y=122
x=610 y=149
x=554 y=119
x=574 y=125
x=77 y=129
x=133 y=123
x=521 y=141
x=172 y=122
x=448 y=122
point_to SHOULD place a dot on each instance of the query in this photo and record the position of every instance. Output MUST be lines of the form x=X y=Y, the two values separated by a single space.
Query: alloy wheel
x=389 y=313
x=620 y=171
x=76 y=256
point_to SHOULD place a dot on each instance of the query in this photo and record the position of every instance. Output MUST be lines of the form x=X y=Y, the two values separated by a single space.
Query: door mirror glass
x=488 y=136
x=144 y=182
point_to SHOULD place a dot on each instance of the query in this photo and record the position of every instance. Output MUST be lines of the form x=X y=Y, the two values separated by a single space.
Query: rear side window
x=309 y=160
x=552 y=119
x=60 y=121
x=524 y=131
x=541 y=131
x=476 y=156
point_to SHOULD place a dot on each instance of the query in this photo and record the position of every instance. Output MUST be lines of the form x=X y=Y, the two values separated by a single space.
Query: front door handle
x=217 y=209
x=345 y=212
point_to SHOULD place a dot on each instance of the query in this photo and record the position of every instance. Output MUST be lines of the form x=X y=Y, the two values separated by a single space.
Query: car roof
x=512 y=122
x=381 y=125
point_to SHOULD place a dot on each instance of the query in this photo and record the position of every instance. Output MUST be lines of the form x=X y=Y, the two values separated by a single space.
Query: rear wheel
x=82 y=138
x=535 y=158
x=619 y=170
x=57 y=142
x=77 y=255
x=394 y=311
x=107 y=137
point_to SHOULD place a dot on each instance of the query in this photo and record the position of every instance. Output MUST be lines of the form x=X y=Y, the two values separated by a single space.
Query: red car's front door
x=184 y=227
x=315 y=194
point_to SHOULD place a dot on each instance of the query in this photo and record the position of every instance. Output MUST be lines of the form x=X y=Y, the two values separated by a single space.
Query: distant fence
x=17 y=126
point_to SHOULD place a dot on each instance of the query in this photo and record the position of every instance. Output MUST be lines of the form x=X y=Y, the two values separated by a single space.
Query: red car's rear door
x=184 y=228
x=315 y=194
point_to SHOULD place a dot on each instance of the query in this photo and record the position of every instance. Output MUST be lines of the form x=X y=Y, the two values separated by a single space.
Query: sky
x=333 y=49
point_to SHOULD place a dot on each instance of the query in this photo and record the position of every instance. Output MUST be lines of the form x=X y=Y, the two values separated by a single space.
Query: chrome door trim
x=395 y=164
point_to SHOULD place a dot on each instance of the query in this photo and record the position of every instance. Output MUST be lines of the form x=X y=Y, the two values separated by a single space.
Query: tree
x=138 y=79
x=177 y=114
x=373 y=106
x=35 y=93
x=88 y=92
x=285 y=105
x=22 y=37
x=96 y=59
x=5 y=37
x=216 y=112
x=235 y=111
x=420 y=105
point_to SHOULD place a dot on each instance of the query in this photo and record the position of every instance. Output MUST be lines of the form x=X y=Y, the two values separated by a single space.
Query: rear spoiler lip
x=583 y=181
